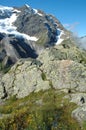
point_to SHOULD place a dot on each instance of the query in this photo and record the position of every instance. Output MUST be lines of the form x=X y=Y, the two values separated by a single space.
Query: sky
x=71 y=13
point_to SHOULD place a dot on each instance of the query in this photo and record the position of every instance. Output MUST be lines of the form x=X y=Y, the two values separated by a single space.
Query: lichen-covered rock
x=64 y=74
x=23 y=79
x=77 y=97
x=67 y=50
x=28 y=76
x=80 y=113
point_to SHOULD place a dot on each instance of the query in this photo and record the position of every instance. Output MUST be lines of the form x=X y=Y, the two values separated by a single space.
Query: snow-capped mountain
x=8 y=16
x=25 y=31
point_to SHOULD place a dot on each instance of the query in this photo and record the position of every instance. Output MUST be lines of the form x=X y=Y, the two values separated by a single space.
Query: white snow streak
x=40 y=14
x=59 y=39
x=59 y=31
x=6 y=25
x=27 y=6
x=35 y=10
x=18 y=34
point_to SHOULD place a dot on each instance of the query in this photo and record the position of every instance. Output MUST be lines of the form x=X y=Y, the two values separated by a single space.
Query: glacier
x=6 y=24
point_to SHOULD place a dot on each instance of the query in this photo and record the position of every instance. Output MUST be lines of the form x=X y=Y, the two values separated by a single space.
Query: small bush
x=43 y=76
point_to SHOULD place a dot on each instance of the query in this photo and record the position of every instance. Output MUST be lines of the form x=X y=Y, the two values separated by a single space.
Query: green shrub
x=43 y=76
x=54 y=113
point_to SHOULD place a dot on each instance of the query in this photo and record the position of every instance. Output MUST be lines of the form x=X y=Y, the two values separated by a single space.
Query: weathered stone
x=80 y=113
x=78 y=98
x=64 y=74
x=23 y=79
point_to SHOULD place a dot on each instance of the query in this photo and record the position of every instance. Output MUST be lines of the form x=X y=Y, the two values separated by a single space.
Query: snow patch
x=27 y=5
x=40 y=14
x=22 y=35
x=36 y=12
x=59 y=39
x=12 y=19
x=6 y=25
x=17 y=11
x=6 y=8
x=28 y=37
x=59 y=31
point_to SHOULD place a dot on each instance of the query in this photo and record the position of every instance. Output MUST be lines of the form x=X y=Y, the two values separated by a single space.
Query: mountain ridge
x=35 y=30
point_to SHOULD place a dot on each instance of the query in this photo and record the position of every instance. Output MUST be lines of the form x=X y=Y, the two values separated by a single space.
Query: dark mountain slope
x=25 y=31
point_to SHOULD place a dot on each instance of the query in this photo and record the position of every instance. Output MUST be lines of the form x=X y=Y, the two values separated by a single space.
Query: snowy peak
x=9 y=16
x=31 y=10
x=25 y=32
x=15 y=21
x=9 y=24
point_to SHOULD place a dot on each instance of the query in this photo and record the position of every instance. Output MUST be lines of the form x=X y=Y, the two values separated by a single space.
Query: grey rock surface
x=27 y=76
x=23 y=79
x=80 y=114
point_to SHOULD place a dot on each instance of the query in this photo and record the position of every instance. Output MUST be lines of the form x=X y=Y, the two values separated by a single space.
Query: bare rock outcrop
x=22 y=79
x=54 y=68
x=27 y=76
